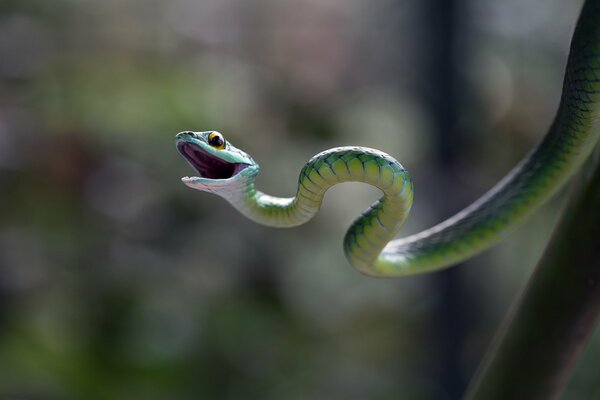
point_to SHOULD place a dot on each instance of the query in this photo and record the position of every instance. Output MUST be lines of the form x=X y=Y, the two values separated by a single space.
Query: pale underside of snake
x=369 y=243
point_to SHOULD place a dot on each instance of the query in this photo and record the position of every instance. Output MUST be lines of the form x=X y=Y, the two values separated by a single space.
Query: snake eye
x=216 y=140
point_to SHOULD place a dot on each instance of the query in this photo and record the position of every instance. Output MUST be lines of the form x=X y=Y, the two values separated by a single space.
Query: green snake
x=369 y=243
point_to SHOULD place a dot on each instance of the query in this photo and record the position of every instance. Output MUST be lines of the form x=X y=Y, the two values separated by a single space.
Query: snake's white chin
x=200 y=180
x=225 y=188
x=197 y=182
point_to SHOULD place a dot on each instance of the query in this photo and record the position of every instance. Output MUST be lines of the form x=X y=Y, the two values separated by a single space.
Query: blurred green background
x=118 y=282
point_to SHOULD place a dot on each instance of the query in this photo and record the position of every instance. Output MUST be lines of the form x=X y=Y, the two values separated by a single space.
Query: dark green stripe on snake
x=369 y=244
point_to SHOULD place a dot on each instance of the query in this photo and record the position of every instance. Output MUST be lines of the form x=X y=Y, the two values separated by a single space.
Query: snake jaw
x=217 y=169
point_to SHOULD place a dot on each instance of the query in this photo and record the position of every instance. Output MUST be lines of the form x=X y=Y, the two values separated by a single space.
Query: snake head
x=221 y=167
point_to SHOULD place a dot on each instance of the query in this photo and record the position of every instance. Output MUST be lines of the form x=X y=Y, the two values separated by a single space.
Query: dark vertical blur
x=441 y=20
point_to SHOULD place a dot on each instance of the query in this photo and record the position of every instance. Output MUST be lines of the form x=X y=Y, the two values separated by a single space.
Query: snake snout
x=185 y=135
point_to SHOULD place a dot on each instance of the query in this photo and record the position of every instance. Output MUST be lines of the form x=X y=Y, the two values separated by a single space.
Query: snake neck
x=369 y=233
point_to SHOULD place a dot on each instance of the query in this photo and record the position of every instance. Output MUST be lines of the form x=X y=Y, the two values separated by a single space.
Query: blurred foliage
x=118 y=282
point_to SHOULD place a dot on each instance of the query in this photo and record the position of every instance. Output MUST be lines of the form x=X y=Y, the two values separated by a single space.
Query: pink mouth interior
x=207 y=165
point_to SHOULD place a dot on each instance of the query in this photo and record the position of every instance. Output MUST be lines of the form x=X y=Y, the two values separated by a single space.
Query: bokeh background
x=118 y=282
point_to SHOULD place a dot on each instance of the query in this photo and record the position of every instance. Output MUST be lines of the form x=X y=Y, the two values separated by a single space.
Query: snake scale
x=369 y=243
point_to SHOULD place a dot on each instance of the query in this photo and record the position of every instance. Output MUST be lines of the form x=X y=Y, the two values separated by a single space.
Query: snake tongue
x=207 y=165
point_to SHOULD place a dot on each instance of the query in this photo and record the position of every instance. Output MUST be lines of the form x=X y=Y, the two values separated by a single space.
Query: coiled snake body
x=368 y=244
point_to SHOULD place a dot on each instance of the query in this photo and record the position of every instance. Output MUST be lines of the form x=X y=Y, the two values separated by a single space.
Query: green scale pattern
x=370 y=233
x=369 y=244
x=569 y=141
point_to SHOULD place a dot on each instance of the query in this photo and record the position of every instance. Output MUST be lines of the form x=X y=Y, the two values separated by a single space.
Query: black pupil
x=215 y=140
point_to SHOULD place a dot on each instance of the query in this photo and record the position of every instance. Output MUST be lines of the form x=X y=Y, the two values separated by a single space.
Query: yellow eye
x=216 y=140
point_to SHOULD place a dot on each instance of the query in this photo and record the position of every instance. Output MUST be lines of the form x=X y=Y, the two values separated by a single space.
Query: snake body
x=368 y=244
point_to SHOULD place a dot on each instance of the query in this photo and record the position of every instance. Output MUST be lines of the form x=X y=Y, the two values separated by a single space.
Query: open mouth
x=207 y=165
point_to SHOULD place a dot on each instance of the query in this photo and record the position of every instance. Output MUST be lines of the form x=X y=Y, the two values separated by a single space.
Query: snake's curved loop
x=230 y=173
